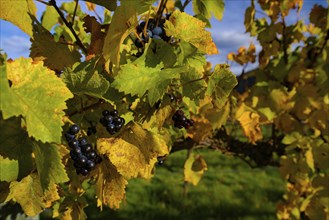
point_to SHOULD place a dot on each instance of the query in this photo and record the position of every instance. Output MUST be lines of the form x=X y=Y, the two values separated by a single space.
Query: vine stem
x=69 y=25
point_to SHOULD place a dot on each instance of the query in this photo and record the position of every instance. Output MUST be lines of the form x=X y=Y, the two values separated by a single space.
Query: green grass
x=229 y=189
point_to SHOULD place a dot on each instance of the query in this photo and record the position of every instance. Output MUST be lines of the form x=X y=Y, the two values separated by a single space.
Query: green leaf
x=84 y=79
x=207 y=8
x=108 y=4
x=194 y=86
x=185 y=27
x=28 y=193
x=221 y=84
x=190 y=55
x=49 y=164
x=37 y=94
x=18 y=13
x=118 y=31
x=49 y=18
x=15 y=147
x=8 y=169
x=55 y=55
x=135 y=78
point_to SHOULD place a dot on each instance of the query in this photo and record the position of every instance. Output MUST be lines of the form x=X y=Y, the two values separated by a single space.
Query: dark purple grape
x=123 y=121
x=83 y=141
x=69 y=137
x=90 y=164
x=142 y=25
x=86 y=148
x=105 y=112
x=110 y=127
x=108 y=118
x=74 y=143
x=83 y=172
x=75 y=156
x=175 y=117
x=82 y=160
x=74 y=129
x=114 y=113
x=77 y=150
x=191 y=122
x=91 y=155
x=151 y=24
x=77 y=165
x=157 y=31
x=183 y=119
x=160 y=162
x=117 y=120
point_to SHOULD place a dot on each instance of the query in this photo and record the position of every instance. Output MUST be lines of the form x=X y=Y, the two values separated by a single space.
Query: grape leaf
x=110 y=186
x=194 y=168
x=154 y=80
x=37 y=94
x=187 y=54
x=18 y=13
x=8 y=169
x=220 y=84
x=49 y=18
x=49 y=164
x=249 y=121
x=84 y=79
x=72 y=209
x=185 y=27
x=16 y=147
x=201 y=129
x=206 y=8
x=28 y=193
x=124 y=20
x=194 y=86
x=55 y=55
x=133 y=153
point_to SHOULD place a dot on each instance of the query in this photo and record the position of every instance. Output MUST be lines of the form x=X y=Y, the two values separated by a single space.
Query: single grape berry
x=157 y=31
x=91 y=155
x=90 y=164
x=74 y=129
x=105 y=113
x=74 y=143
x=138 y=43
x=83 y=171
x=86 y=148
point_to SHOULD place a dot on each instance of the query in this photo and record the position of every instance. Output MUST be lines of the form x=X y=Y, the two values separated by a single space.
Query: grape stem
x=69 y=25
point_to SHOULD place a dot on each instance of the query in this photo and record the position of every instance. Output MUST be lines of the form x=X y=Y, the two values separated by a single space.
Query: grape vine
x=104 y=99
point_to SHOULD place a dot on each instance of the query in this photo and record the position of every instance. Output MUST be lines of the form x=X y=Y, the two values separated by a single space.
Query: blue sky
x=228 y=34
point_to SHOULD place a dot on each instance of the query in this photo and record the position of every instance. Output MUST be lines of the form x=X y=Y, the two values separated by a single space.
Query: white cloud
x=15 y=46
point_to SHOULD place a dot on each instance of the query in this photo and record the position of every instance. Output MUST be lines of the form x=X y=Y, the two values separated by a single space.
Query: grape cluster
x=152 y=31
x=82 y=153
x=111 y=121
x=181 y=121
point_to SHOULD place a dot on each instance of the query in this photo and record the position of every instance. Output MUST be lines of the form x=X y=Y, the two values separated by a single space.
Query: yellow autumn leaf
x=192 y=30
x=194 y=168
x=249 y=121
x=29 y=194
x=201 y=129
x=110 y=186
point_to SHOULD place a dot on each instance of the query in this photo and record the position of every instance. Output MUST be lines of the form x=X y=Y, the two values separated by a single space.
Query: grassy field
x=229 y=190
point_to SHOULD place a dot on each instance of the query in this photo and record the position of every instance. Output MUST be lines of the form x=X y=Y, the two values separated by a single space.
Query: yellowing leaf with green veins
x=187 y=28
x=16 y=148
x=250 y=123
x=18 y=12
x=49 y=164
x=220 y=84
x=124 y=20
x=207 y=8
x=155 y=80
x=55 y=55
x=37 y=94
x=194 y=168
x=110 y=186
x=29 y=194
